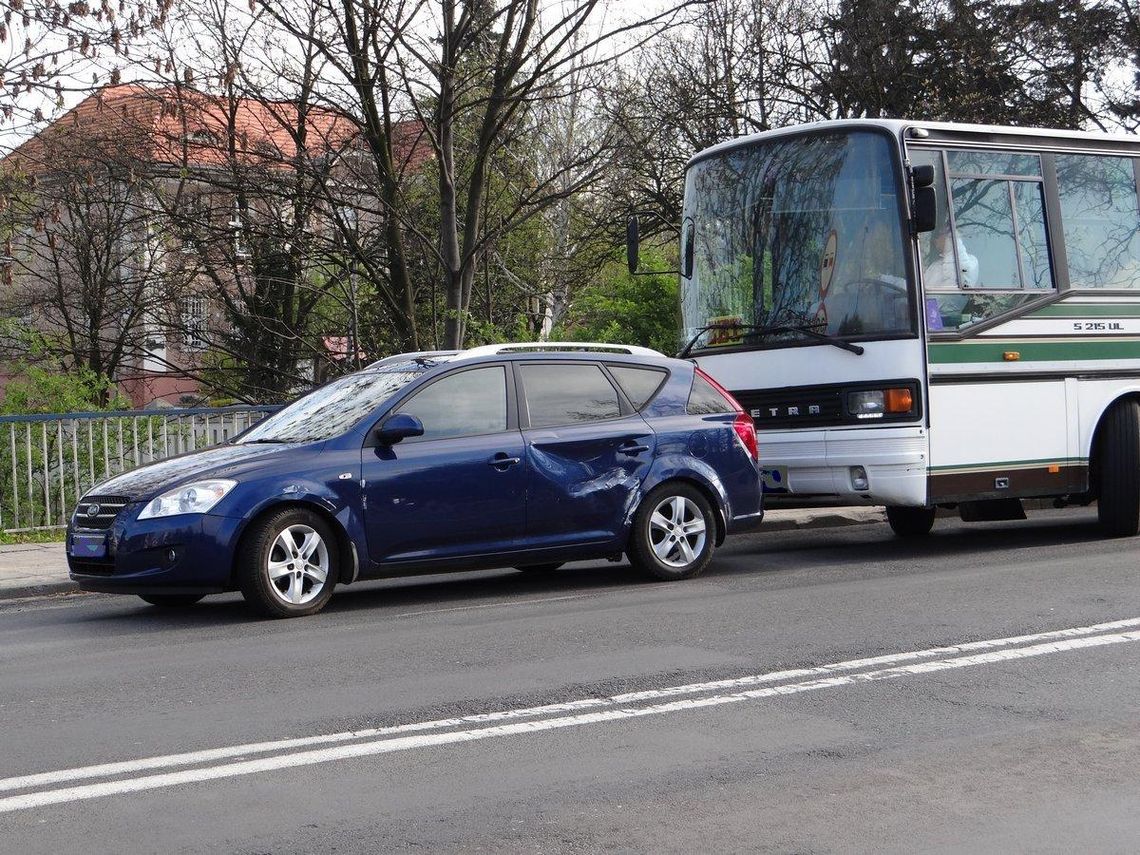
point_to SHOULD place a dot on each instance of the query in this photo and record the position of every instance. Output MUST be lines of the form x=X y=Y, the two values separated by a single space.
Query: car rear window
x=639 y=384
x=567 y=394
x=705 y=400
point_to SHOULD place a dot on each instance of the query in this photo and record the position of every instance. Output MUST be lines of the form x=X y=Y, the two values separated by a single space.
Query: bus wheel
x=1118 y=470
x=910 y=522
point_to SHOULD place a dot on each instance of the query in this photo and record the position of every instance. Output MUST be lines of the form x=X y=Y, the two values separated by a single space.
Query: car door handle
x=502 y=461
x=632 y=447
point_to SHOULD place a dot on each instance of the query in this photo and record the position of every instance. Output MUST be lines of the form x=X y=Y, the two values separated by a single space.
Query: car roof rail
x=556 y=346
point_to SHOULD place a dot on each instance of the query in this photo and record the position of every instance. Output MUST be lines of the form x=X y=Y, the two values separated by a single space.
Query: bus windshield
x=798 y=232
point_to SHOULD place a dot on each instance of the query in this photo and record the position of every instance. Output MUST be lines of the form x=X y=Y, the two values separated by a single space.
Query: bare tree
x=87 y=268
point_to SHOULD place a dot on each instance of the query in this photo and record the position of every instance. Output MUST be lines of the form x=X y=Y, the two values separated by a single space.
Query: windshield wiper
x=763 y=330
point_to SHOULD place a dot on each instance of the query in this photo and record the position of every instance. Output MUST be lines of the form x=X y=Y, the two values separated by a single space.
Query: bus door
x=999 y=425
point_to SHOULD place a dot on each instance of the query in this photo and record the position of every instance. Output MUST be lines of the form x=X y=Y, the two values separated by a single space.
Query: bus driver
x=944 y=271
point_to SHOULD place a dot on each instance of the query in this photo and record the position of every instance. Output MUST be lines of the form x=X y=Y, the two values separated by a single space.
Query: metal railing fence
x=47 y=462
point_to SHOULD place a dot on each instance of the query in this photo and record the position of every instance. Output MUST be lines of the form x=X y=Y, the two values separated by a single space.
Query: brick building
x=136 y=219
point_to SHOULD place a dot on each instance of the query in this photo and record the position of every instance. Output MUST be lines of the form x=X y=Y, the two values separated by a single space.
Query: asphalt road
x=1001 y=711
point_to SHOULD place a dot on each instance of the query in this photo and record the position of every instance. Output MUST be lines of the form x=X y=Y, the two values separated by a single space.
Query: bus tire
x=1118 y=470
x=910 y=522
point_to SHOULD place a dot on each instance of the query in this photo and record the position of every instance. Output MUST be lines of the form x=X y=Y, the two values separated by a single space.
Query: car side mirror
x=398 y=427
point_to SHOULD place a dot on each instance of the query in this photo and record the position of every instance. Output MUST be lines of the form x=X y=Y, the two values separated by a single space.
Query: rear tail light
x=746 y=432
x=743 y=425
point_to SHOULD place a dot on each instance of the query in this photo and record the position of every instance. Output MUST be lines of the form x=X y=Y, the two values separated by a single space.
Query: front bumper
x=190 y=554
x=818 y=463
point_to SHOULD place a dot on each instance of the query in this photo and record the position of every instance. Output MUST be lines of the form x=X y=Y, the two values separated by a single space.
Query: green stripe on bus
x=1087 y=310
x=946 y=352
x=998 y=464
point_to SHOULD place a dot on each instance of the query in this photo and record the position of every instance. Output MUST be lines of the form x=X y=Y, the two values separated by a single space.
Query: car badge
x=93 y=510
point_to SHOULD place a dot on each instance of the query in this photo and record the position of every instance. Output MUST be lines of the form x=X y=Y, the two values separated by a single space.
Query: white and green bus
x=920 y=314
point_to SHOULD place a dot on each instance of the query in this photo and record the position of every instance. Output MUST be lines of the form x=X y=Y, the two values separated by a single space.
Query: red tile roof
x=185 y=127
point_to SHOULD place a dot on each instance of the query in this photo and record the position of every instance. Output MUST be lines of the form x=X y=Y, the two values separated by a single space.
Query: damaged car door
x=587 y=452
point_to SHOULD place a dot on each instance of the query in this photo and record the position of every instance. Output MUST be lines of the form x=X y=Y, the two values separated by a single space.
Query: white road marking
x=993 y=651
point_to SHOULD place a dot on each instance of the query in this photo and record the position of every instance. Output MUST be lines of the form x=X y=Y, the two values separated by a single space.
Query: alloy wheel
x=677 y=531
x=298 y=565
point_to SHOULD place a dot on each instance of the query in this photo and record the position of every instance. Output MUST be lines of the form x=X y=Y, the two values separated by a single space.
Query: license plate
x=774 y=480
x=89 y=545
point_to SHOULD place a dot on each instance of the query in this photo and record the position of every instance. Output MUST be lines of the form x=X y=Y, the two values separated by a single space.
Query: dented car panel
x=585 y=481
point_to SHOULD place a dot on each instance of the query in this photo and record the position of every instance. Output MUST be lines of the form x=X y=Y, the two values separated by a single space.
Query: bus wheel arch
x=1114 y=467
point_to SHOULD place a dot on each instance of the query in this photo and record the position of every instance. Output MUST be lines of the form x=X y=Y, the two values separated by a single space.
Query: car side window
x=468 y=403
x=568 y=393
x=704 y=400
x=639 y=384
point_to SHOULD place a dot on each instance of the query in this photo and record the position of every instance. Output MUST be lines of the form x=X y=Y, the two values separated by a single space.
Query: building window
x=194 y=322
x=237 y=223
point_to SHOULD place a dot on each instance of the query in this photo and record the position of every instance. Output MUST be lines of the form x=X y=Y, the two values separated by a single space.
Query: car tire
x=674 y=533
x=540 y=568
x=171 y=601
x=288 y=564
x=1118 y=470
x=910 y=522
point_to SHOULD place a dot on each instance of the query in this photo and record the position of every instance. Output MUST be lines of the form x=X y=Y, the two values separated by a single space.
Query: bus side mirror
x=632 y=243
x=925 y=199
x=688 y=249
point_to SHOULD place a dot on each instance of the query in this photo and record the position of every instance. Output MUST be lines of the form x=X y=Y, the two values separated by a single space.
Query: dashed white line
x=603 y=710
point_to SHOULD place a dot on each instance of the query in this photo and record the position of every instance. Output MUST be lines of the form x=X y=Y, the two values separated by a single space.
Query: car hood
x=222 y=461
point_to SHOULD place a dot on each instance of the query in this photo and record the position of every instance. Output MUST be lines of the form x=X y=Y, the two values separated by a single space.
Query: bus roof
x=941 y=130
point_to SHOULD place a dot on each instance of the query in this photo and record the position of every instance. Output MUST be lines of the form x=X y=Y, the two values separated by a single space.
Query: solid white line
x=405 y=743
x=190 y=758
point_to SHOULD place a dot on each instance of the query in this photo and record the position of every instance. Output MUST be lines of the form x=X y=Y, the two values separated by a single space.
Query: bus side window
x=1100 y=218
x=989 y=251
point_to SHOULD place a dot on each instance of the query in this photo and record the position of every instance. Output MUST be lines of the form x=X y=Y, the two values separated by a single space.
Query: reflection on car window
x=639 y=384
x=1101 y=220
x=330 y=410
x=704 y=400
x=566 y=394
x=465 y=404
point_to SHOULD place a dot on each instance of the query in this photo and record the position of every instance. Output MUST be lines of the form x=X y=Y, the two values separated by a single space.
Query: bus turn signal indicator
x=899 y=400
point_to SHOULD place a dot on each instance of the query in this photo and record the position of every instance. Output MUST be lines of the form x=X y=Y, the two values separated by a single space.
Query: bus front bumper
x=874 y=466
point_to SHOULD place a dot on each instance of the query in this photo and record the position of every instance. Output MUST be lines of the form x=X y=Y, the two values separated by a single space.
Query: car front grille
x=105 y=508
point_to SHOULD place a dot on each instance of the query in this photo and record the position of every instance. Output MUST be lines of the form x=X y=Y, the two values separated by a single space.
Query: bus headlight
x=876 y=403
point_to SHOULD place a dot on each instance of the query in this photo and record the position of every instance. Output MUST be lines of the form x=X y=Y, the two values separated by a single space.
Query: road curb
x=39 y=589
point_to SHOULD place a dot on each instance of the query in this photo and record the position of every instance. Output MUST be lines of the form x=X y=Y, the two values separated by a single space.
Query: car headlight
x=196 y=498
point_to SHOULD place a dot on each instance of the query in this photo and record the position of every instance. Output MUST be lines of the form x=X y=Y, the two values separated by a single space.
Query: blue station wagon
x=522 y=456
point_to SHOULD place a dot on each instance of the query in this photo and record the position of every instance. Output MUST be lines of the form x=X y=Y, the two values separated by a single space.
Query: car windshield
x=804 y=231
x=330 y=410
